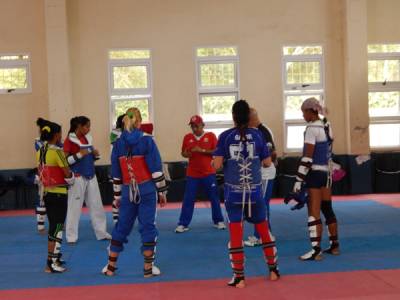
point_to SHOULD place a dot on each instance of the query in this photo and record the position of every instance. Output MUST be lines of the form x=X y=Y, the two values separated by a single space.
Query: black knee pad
x=327 y=210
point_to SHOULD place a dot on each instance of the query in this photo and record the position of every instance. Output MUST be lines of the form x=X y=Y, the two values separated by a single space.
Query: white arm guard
x=74 y=158
x=304 y=168
x=70 y=180
x=117 y=186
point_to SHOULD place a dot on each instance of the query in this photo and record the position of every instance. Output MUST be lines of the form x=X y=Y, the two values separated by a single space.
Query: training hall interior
x=78 y=80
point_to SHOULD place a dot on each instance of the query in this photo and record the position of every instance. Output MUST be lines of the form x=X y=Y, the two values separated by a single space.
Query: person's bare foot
x=273 y=276
x=333 y=250
x=241 y=285
x=237 y=282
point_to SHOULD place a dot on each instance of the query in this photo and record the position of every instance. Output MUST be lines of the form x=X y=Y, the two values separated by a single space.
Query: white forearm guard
x=304 y=168
x=74 y=158
x=159 y=180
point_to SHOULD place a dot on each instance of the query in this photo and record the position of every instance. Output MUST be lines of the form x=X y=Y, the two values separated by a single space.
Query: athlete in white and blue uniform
x=81 y=155
x=314 y=175
x=242 y=151
x=40 y=208
x=267 y=174
x=114 y=136
x=136 y=163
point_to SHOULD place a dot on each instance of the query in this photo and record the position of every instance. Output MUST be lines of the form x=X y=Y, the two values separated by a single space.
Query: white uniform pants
x=85 y=190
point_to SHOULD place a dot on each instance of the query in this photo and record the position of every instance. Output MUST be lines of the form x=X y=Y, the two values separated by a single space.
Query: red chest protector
x=51 y=176
x=134 y=167
x=147 y=128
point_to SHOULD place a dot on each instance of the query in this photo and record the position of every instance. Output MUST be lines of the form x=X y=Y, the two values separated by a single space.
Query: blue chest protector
x=322 y=150
x=242 y=171
x=38 y=144
x=85 y=166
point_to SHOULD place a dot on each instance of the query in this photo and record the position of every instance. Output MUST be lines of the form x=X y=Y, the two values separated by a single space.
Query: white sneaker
x=252 y=241
x=220 y=226
x=181 y=229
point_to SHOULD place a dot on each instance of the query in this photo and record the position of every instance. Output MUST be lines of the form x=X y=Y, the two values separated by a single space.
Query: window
x=15 y=76
x=303 y=70
x=217 y=85
x=384 y=95
x=130 y=82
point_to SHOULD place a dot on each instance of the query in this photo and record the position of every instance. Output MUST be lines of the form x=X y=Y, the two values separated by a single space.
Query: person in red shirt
x=198 y=148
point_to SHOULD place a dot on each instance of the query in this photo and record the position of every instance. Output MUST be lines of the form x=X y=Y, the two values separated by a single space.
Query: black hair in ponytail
x=40 y=122
x=48 y=131
x=241 y=116
x=73 y=124
x=76 y=121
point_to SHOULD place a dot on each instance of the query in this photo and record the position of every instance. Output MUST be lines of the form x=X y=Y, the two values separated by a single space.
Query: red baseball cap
x=197 y=120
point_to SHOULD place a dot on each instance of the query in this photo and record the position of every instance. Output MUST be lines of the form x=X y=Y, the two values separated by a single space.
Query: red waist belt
x=52 y=176
x=138 y=169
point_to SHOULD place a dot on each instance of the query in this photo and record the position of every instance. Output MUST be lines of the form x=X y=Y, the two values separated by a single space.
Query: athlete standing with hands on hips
x=198 y=147
x=314 y=174
x=136 y=163
x=242 y=151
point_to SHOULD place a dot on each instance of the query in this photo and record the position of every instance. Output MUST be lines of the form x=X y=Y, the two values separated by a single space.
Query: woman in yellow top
x=55 y=176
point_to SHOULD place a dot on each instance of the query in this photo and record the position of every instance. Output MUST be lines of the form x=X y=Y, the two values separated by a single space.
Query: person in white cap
x=314 y=175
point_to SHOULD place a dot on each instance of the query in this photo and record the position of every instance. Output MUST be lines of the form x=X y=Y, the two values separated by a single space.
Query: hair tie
x=130 y=114
x=46 y=128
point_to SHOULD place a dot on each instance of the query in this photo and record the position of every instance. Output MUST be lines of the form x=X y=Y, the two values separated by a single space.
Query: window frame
x=216 y=91
x=300 y=89
x=391 y=86
x=131 y=94
x=18 y=64
x=303 y=58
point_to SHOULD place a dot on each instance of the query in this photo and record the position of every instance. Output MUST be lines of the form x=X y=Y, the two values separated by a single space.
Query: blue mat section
x=369 y=235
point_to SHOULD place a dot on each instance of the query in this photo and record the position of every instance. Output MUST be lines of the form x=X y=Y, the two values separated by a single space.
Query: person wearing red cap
x=198 y=147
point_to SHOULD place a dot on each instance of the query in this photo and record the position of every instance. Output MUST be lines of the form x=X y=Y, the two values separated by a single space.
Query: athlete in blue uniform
x=136 y=163
x=314 y=174
x=242 y=151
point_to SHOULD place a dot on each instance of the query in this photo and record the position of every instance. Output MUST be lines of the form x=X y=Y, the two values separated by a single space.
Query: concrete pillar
x=356 y=76
x=59 y=74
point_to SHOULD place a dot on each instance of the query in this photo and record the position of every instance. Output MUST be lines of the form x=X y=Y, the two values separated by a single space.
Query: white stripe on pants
x=88 y=191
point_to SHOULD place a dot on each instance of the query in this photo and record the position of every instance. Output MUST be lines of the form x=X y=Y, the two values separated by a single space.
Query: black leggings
x=56 y=207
